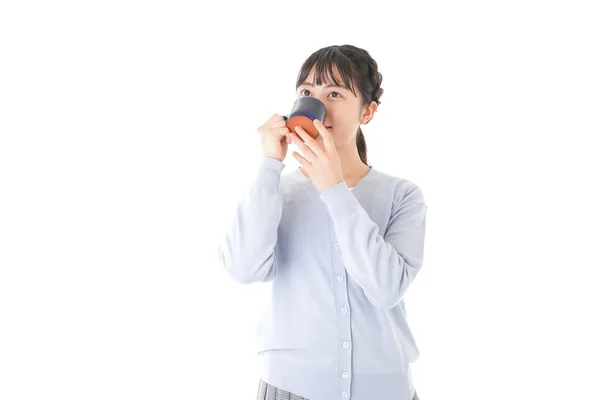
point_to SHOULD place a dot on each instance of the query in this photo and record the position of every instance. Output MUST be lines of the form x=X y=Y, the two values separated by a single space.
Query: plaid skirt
x=270 y=392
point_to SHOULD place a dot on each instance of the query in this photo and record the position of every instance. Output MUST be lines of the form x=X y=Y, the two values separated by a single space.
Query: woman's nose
x=323 y=98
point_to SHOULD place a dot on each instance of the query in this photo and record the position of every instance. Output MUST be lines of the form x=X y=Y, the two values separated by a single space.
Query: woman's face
x=344 y=109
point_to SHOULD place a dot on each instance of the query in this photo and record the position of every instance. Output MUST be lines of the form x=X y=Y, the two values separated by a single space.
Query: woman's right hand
x=274 y=136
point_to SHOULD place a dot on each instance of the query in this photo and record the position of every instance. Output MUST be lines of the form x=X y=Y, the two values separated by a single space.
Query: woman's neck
x=352 y=173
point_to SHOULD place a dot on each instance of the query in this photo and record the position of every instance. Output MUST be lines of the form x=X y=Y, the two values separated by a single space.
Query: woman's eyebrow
x=326 y=86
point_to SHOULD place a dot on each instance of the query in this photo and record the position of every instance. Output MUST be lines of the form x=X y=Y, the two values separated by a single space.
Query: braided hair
x=356 y=67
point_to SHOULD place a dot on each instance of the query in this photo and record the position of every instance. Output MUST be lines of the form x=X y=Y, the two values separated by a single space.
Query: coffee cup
x=304 y=111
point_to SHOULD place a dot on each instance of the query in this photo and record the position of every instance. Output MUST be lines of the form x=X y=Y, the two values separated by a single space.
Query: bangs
x=323 y=61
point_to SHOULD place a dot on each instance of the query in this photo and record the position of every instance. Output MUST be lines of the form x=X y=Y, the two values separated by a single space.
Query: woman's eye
x=306 y=90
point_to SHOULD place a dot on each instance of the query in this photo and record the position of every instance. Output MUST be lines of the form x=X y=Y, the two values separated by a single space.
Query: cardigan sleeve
x=247 y=250
x=382 y=265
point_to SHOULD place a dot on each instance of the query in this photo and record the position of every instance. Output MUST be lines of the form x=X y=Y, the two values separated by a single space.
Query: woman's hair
x=356 y=67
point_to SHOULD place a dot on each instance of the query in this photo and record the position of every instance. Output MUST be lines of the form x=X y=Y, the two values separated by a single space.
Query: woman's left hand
x=321 y=162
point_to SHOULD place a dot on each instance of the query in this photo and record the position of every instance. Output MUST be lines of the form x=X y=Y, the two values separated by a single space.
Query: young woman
x=340 y=242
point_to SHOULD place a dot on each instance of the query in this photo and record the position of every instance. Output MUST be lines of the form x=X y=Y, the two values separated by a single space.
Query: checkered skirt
x=270 y=392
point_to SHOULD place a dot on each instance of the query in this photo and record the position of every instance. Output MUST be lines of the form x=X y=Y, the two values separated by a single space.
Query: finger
x=306 y=151
x=325 y=134
x=281 y=132
x=278 y=124
x=319 y=140
x=277 y=120
x=272 y=123
x=305 y=163
x=309 y=142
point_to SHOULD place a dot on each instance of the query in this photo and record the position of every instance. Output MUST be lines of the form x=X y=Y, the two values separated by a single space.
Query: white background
x=128 y=134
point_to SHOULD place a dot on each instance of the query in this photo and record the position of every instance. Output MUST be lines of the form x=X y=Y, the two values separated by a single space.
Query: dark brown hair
x=356 y=67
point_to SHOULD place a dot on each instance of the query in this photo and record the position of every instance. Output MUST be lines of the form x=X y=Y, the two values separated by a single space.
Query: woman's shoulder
x=401 y=187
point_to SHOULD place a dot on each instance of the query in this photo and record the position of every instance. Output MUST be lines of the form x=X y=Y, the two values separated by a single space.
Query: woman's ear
x=368 y=112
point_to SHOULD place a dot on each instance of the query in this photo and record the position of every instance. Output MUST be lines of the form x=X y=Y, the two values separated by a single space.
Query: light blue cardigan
x=339 y=264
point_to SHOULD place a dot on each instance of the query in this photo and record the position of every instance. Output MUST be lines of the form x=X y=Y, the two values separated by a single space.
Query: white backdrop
x=128 y=135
